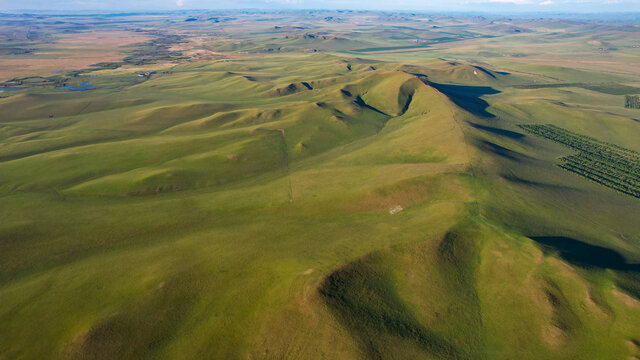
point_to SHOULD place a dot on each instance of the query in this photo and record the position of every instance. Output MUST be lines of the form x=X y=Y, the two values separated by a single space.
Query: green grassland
x=377 y=198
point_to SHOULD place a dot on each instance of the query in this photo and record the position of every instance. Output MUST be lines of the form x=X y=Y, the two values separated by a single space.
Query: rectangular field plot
x=606 y=164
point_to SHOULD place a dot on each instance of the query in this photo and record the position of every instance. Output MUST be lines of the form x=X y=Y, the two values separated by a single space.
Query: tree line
x=632 y=101
x=606 y=164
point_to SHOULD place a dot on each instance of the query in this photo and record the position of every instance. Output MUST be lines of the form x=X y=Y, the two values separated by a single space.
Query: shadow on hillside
x=585 y=255
x=495 y=149
x=362 y=296
x=498 y=131
x=468 y=97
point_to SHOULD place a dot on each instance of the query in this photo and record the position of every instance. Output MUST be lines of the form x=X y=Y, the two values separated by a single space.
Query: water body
x=85 y=86
x=9 y=89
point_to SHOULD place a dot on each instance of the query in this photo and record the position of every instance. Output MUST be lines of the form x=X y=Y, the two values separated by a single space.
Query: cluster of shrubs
x=604 y=163
x=632 y=101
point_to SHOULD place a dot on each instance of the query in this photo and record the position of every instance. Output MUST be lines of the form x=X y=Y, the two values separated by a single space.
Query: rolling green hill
x=298 y=205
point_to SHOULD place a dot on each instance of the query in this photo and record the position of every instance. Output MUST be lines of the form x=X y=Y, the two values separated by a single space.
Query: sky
x=488 y=6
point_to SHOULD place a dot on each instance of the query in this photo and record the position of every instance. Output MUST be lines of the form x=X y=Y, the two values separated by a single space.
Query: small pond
x=85 y=86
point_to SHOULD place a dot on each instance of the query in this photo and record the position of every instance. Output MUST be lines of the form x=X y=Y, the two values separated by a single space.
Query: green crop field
x=318 y=185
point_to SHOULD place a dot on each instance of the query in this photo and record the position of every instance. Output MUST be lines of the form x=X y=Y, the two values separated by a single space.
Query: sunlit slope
x=163 y=145
x=270 y=212
x=305 y=207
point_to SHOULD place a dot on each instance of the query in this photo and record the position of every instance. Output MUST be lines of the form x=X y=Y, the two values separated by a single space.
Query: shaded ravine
x=593 y=257
x=467 y=97
x=583 y=254
x=363 y=297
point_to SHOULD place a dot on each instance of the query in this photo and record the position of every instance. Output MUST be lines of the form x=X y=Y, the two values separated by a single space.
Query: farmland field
x=318 y=185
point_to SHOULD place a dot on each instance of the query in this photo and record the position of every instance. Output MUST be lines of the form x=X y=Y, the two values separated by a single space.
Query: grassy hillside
x=379 y=204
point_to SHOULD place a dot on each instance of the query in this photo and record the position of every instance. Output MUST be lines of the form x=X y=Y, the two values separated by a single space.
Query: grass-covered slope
x=310 y=207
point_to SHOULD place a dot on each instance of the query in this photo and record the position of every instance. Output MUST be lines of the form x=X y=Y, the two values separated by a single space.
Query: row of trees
x=632 y=101
x=603 y=173
x=607 y=164
x=602 y=179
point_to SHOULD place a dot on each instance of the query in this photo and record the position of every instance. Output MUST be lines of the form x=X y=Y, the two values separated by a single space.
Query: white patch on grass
x=396 y=209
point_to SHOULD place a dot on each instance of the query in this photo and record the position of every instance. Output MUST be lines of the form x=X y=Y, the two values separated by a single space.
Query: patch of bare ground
x=634 y=348
x=553 y=336
x=626 y=299
x=73 y=52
